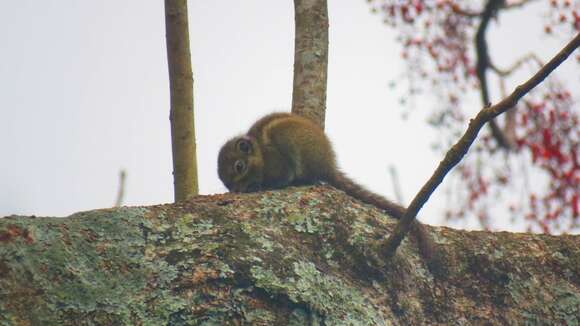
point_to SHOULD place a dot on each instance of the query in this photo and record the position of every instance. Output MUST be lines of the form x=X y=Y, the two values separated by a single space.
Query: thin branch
x=510 y=116
x=457 y=151
x=509 y=130
x=483 y=62
x=121 y=191
x=473 y=14
x=508 y=71
x=517 y=4
x=396 y=184
x=181 y=92
x=464 y=12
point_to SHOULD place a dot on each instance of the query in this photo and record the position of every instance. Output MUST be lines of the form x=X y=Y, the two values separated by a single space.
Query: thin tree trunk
x=310 y=59
x=181 y=88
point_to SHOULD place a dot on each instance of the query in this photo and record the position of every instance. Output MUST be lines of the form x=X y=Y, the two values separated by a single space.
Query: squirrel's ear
x=244 y=145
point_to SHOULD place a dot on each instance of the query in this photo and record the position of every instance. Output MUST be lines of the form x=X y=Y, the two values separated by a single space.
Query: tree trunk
x=181 y=90
x=310 y=59
x=293 y=257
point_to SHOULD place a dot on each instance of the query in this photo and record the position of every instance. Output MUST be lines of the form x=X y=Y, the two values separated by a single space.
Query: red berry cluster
x=437 y=39
x=564 y=14
x=549 y=130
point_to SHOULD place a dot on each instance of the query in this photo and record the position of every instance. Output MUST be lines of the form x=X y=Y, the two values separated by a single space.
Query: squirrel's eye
x=240 y=166
x=244 y=146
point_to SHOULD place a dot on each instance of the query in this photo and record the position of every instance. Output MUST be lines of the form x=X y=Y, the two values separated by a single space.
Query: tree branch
x=396 y=184
x=463 y=12
x=517 y=4
x=297 y=256
x=508 y=71
x=181 y=90
x=457 y=151
x=310 y=59
x=121 y=191
x=483 y=62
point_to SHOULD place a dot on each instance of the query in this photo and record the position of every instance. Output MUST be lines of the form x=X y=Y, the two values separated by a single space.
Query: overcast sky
x=84 y=93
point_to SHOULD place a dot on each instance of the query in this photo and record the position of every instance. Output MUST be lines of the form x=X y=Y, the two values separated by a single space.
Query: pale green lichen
x=266 y=279
x=566 y=304
x=360 y=233
x=81 y=278
x=207 y=264
x=259 y=317
x=339 y=303
x=304 y=223
x=300 y=317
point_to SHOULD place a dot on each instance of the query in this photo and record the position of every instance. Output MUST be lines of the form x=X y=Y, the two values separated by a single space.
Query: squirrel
x=284 y=149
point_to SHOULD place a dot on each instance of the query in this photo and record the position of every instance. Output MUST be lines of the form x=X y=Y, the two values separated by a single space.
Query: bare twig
x=510 y=116
x=121 y=191
x=473 y=14
x=465 y=12
x=310 y=59
x=396 y=184
x=509 y=130
x=483 y=62
x=181 y=92
x=508 y=71
x=517 y=4
x=457 y=151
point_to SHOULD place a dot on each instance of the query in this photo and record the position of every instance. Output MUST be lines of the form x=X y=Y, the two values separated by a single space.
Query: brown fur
x=291 y=150
x=287 y=149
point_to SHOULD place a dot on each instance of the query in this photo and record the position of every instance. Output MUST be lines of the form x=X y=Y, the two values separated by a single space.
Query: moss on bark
x=292 y=257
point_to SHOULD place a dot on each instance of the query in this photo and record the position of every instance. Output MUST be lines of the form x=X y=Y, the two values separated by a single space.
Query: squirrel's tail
x=340 y=181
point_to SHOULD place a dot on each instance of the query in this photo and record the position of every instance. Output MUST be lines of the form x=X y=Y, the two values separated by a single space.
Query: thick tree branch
x=310 y=59
x=298 y=256
x=181 y=90
x=457 y=151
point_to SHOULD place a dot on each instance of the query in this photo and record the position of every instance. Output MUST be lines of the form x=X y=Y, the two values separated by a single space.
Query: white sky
x=84 y=93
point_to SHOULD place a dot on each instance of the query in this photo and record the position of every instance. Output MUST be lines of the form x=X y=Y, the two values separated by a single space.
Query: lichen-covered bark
x=293 y=257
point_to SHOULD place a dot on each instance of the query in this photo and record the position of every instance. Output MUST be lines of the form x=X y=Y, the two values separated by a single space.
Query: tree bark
x=310 y=59
x=297 y=256
x=181 y=115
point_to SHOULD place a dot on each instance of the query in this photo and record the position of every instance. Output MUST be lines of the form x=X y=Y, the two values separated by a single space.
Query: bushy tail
x=340 y=181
